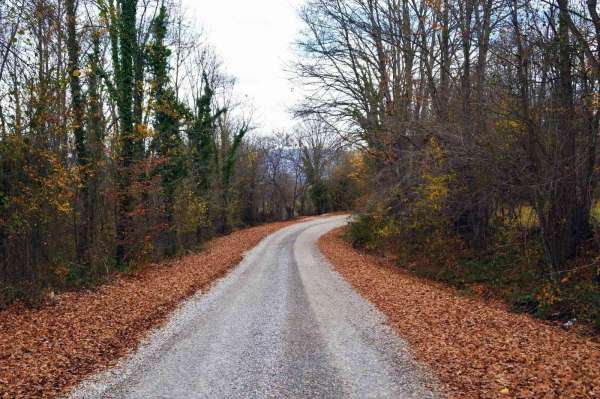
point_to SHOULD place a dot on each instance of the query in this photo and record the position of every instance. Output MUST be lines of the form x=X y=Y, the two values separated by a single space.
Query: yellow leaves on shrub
x=548 y=295
x=388 y=229
x=143 y=131
x=191 y=212
x=56 y=185
x=427 y=210
x=358 y=166
x=435 y=191
x=509 y=124
x=42 y=190
x=359 y=171
x=477 y=348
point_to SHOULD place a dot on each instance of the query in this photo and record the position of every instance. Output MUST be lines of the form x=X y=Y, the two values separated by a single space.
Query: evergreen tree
x=167 y=143
x=228 y=166
x=123 y=57
x=203 y=146
x=201 y=137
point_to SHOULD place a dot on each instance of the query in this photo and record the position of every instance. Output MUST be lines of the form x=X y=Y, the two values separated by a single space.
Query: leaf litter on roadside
x=478 y=349
x=46 y=351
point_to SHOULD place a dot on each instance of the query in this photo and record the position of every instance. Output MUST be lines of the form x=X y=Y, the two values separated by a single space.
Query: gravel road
x=281 y=325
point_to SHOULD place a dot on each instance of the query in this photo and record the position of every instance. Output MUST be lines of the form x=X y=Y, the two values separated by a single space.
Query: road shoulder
x=477 y=349
x=44 y=352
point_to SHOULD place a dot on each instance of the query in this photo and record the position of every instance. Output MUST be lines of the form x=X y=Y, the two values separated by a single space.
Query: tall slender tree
x=95 y=130
x=167 y=114
x=77 y=124
x=129 y=143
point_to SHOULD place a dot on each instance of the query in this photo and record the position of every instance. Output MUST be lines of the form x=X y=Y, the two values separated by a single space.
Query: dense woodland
x=462 y=132
x=478 y=125
x=122 y=141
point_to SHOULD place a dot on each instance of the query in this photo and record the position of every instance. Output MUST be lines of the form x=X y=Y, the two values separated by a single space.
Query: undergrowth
x=511 y=269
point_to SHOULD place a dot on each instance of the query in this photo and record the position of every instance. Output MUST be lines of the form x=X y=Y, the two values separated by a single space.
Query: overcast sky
x=254 y=38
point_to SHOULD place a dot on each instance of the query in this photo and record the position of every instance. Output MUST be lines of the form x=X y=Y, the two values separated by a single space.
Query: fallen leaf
x=477 y=348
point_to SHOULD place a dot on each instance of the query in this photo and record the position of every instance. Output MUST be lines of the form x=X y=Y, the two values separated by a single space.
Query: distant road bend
x=282 y=324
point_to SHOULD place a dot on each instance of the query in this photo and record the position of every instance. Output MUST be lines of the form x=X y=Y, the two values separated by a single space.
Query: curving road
x=280 y=325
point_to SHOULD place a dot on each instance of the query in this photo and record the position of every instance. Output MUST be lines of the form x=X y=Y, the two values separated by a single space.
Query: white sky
x=254 y=38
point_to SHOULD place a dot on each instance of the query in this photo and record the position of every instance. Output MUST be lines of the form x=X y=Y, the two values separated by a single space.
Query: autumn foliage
x=471 y=116
x=477 y=348
x=122 y=141
x=44 y=352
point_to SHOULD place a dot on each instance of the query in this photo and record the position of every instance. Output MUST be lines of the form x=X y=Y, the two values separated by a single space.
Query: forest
x=123 y=141
x=429 y=205
x=462 y=134
x=478 y=125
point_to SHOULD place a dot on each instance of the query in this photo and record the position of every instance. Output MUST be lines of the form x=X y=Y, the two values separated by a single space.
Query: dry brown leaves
x=477 y=349
x=46 y=351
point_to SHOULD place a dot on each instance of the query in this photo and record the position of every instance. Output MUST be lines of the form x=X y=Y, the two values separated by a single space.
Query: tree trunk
x=125 y=81
x=77 y=115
